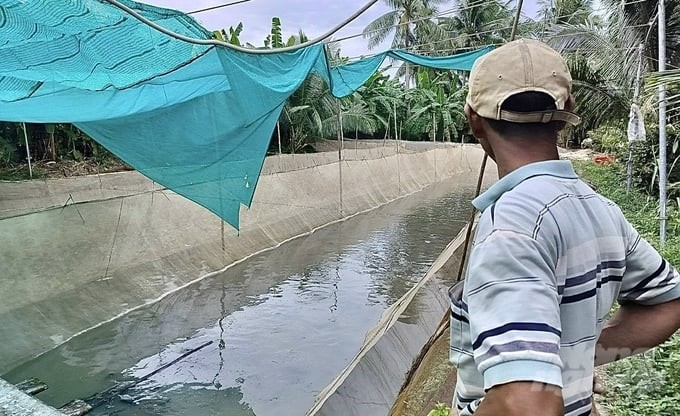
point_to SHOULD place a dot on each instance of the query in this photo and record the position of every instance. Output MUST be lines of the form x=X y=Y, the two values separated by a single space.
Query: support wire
x=215 y=42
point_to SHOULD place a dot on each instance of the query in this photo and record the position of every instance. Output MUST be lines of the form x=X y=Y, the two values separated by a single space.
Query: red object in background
x=604 y=160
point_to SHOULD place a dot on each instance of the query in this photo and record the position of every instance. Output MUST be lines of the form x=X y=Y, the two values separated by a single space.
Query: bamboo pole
x=483 y=167
x=446 y=319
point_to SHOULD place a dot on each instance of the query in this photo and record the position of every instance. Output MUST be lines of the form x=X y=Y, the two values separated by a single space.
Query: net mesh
x=195 y=119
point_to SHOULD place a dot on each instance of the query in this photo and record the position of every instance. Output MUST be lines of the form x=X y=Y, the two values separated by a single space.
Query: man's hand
x=523 y=398
x=635 y=329
x=598 y=387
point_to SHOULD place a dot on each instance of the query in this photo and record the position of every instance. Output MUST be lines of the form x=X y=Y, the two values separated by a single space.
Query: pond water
x=265 y=336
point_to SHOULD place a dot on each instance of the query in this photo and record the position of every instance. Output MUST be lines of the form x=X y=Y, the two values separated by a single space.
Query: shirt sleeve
x=514 y=311
x=649 y=279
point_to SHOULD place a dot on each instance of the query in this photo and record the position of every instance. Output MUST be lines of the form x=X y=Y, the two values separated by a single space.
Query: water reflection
x=283 y=324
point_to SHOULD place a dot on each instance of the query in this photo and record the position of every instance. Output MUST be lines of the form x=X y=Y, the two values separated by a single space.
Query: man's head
x=521 y=92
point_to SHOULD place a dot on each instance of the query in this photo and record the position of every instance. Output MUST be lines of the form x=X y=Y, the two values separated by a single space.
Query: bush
x=647 y=384
x=612 y=139
x=608 y=139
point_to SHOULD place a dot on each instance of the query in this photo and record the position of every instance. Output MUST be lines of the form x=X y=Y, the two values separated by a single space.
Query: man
x=550 y=256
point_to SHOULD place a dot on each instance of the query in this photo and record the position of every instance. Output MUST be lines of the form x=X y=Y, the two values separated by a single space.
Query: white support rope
x=215 y=42
x=219 y=6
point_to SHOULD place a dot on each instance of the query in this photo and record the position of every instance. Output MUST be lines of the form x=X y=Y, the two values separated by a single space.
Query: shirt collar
x=558 y=168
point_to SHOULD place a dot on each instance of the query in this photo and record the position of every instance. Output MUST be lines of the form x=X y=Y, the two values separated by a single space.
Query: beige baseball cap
x=520 y=66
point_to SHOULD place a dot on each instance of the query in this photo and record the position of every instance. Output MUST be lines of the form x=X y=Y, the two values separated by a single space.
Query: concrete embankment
x=80 y=251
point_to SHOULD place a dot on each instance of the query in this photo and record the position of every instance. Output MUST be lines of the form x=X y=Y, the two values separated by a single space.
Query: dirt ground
x=66 y=168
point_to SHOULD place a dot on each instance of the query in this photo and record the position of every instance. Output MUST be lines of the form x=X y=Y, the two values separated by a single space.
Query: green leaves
x=276 y=37
x=410 y=22
x=440 y=409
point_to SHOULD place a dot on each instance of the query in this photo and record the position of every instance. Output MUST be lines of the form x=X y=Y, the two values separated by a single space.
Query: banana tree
x=438 y=108
x=381 y=95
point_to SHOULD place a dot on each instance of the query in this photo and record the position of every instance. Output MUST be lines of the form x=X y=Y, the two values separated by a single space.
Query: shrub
x=613 y=139
x=608 y=139
x=647 y=384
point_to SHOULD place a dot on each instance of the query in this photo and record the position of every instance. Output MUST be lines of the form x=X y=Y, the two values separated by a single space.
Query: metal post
x=340 y=134
x=28 y=151
x=278 y=133
x=407 y=79
x=662 y=125
x=340 y=143
x=434 y=127
x=396 y=131
x=631 y=143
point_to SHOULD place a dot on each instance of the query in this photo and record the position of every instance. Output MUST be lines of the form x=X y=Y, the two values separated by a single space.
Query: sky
x=315 y=17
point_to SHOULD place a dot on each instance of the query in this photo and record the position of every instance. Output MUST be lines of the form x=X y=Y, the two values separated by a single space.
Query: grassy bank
x=648 y=384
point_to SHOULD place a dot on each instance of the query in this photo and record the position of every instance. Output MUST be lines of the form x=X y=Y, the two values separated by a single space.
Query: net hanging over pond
x=196 y=119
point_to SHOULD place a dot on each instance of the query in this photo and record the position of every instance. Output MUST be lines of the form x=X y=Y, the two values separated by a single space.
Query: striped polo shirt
x=549 y=259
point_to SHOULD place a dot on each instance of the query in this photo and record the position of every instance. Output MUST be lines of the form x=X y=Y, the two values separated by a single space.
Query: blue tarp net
x=196 y=119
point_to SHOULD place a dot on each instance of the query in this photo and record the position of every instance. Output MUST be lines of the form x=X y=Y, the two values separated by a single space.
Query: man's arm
x=637 y=328
x=522 y=398
x=650 y=304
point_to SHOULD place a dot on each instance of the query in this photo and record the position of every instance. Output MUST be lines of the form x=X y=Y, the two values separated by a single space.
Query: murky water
x=264 y=337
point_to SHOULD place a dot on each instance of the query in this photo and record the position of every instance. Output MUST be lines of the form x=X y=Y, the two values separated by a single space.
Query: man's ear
x=476 y=123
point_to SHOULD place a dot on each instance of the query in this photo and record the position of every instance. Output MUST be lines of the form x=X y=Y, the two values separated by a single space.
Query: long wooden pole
x=446 y=319
x=482 y=168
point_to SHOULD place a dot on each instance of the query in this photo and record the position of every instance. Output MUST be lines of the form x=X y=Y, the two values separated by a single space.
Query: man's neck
x=513 y=153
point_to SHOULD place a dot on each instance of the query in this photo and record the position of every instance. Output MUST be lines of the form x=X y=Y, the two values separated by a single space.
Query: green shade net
x=345 y=79
x=196 y=119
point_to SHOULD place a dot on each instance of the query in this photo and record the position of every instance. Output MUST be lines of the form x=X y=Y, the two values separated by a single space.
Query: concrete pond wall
x=77 y=252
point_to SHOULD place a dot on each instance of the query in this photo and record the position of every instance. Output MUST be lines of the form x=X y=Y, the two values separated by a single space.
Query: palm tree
x=603 y=60
x=478 y=23
x=573 y=12
x=410 y=22
x=404 y=21
x=642 y=19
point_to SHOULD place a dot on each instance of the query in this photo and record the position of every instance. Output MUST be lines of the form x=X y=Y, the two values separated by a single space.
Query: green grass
x=19 y=173
x=647 y=384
